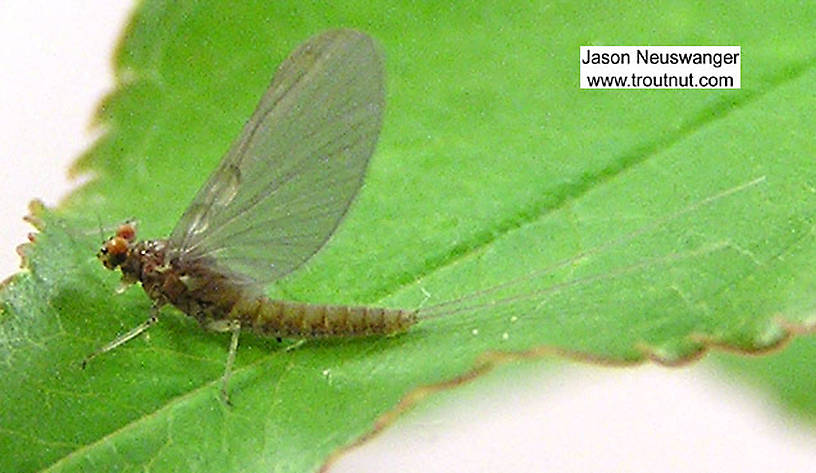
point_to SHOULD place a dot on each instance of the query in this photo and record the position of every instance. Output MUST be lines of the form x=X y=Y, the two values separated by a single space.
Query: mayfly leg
x=235 y=328
x=126 y=337
x=295 y=345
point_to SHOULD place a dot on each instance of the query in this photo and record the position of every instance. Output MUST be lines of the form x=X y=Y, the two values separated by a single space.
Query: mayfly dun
x=273 y=202
x=278 y=195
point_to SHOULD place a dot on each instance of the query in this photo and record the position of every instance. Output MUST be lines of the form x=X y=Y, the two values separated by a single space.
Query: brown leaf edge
x=492 y=359
x=35 y=208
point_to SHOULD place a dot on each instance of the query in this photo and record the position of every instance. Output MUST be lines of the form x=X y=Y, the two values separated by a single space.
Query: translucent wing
x=286 y=183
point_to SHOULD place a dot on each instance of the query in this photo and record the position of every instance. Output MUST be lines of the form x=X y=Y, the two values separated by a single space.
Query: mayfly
x=273 y=202
x=276 y=198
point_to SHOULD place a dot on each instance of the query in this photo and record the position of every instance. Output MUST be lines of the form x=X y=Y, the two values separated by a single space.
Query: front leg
x=126 y=337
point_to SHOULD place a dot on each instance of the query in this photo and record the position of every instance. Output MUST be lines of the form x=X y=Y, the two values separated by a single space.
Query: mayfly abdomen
x=298 y=319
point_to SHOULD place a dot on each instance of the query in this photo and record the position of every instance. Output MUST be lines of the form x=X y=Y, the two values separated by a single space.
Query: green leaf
x=787 y=375
x=492 y=165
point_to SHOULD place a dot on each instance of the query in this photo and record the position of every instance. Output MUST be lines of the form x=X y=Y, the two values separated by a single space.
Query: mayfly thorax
x=273 y=202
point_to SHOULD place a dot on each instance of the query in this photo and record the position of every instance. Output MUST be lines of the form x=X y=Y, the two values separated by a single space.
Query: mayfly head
x=115 y=249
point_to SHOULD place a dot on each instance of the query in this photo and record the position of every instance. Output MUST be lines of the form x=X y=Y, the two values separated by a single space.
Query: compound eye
x=115 y=246
x=126 y=231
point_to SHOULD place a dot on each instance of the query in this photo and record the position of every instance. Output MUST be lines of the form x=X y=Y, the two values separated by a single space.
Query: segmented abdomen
x=298 y=319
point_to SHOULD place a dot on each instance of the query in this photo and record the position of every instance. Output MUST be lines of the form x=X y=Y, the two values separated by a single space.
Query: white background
x=54 y=66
